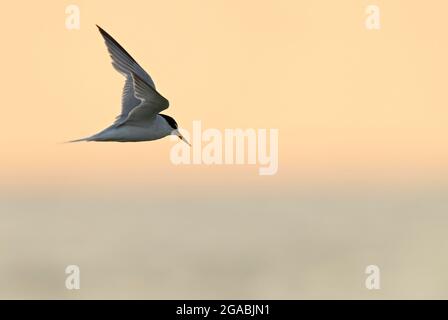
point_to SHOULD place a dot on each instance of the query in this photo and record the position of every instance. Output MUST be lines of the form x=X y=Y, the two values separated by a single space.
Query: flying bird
x=140 y=118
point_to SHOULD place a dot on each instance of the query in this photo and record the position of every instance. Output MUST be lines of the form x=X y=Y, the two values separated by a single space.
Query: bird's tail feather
x=78 y=140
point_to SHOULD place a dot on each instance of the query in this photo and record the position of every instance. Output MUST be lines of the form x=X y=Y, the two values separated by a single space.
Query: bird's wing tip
x=101 y=30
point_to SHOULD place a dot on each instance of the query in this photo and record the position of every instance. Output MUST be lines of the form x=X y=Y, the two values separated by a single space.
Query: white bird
x=140 y=119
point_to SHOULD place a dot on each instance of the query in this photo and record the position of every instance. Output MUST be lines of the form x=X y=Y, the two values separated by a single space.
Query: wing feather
x=151 y=103
x=124 y=63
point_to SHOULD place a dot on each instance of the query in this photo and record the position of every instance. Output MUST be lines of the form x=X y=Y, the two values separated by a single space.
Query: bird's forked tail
x=78 y=140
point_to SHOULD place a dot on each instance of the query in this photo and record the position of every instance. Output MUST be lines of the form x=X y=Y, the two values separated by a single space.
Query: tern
x=140 y=118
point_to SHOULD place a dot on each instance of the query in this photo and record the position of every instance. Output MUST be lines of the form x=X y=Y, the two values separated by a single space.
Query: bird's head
x=175 y=129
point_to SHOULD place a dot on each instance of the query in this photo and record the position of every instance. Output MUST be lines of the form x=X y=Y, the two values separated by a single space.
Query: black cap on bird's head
x=173 y=124
x=170 y=120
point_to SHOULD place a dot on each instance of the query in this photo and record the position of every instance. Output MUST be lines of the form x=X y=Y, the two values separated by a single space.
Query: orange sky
x=348 y=102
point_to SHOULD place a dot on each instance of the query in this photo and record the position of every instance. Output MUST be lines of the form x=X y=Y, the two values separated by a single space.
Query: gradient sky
x=358 y=112
x=350 y=104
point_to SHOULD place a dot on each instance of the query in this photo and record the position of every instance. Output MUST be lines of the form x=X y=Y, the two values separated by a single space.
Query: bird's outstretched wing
x=151 y=102
x=126 y=65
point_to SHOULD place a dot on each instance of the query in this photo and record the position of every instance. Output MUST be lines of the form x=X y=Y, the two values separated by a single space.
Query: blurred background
x=363 y=154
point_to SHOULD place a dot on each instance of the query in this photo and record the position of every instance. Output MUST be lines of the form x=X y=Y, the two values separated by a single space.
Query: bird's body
x=140 y=118
x=152 y=129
